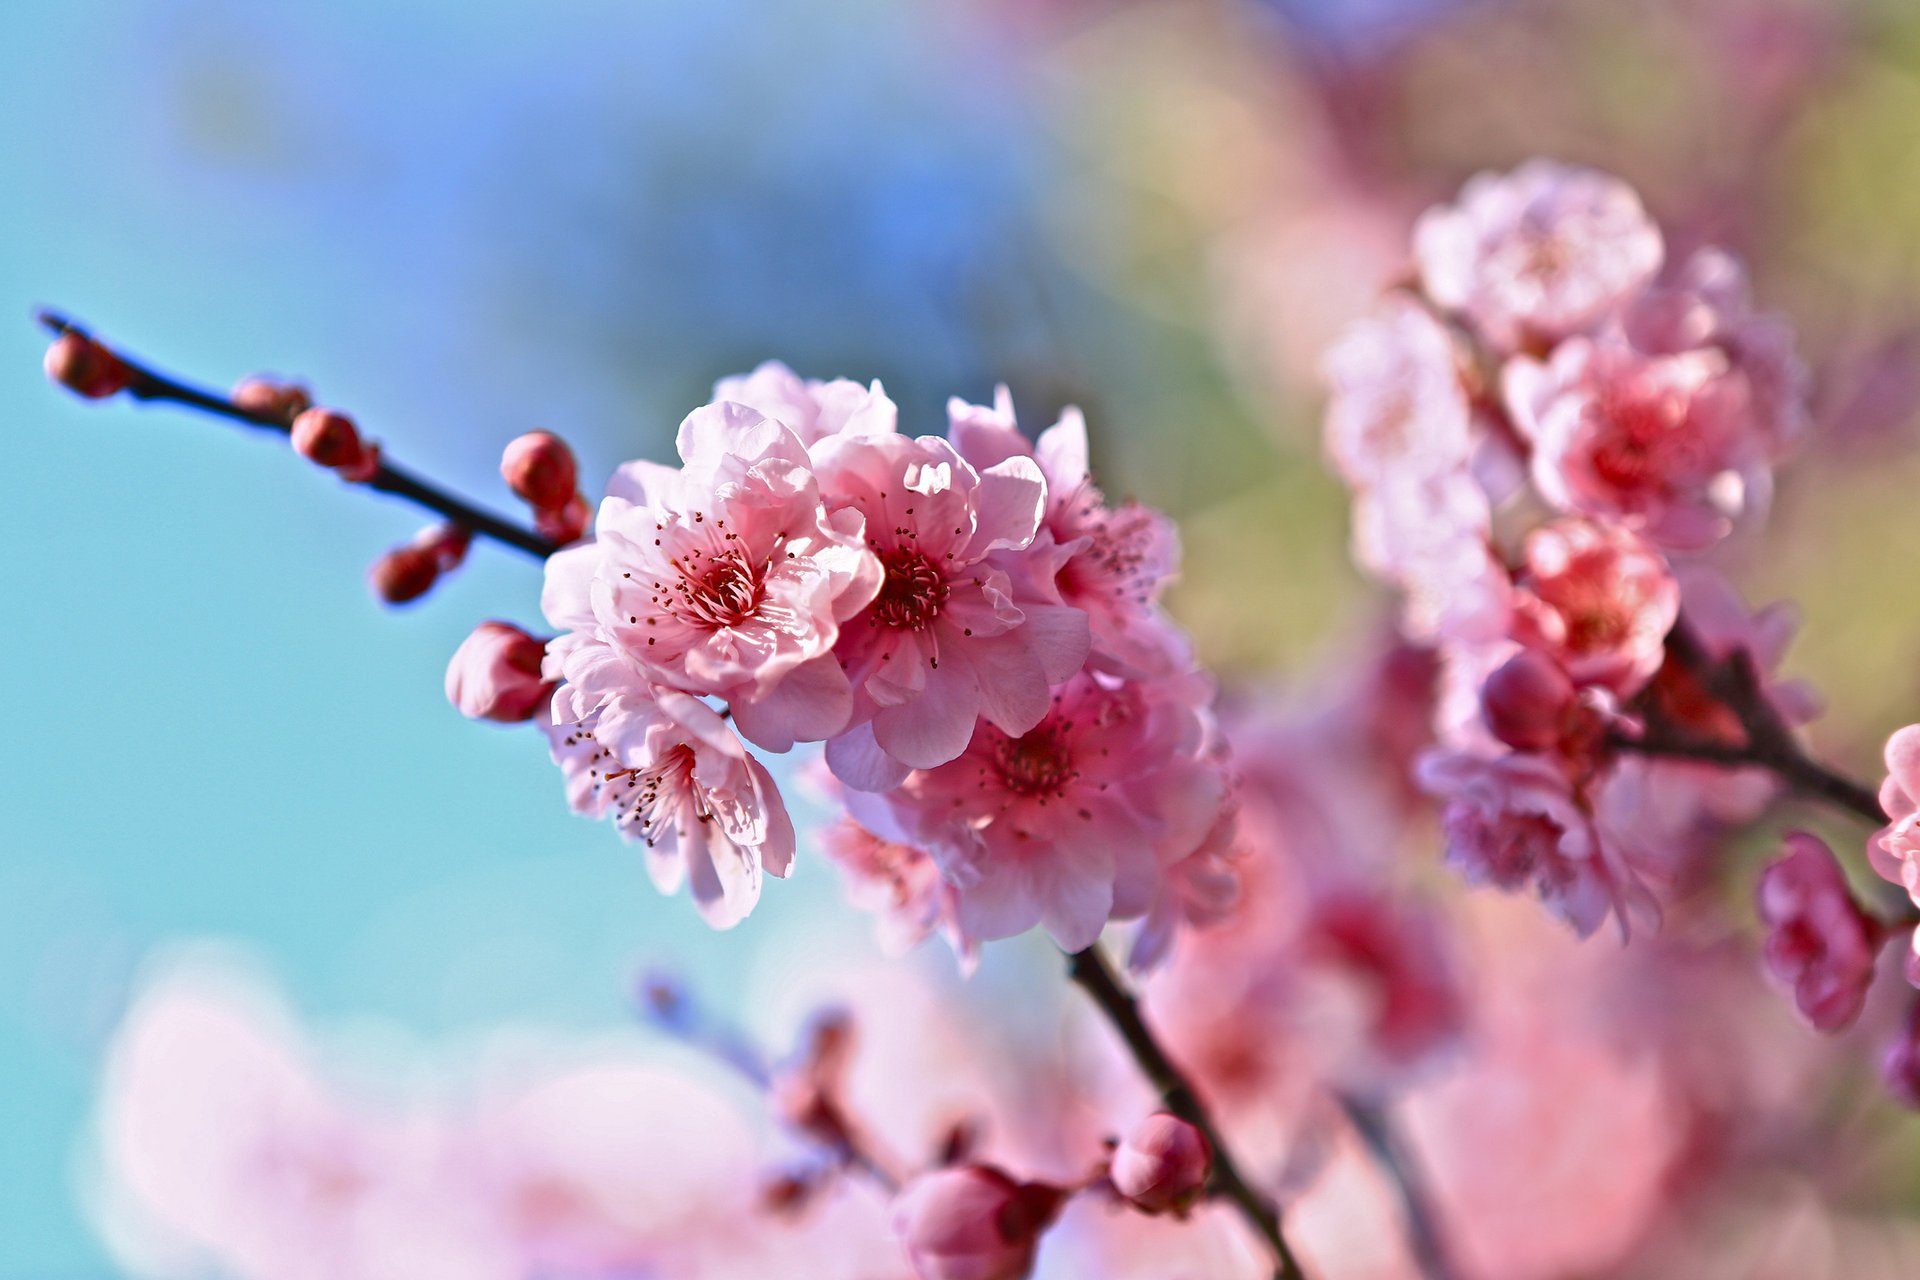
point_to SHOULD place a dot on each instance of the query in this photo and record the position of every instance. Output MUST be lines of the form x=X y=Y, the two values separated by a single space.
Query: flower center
x=1035 y=764
x=912 y=592
x=719 y=590
x=654 y=793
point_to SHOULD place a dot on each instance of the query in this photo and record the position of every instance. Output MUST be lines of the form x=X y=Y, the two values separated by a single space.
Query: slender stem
x=147 y=383
x=1091 y=972
x=1376 y=1128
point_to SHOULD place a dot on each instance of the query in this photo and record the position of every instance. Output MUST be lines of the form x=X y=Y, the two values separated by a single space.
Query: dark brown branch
x=145 y=383
x=1090 y=971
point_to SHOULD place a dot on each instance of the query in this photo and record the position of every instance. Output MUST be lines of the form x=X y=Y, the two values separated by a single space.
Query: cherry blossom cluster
x=1548 y=432
x=965 y=621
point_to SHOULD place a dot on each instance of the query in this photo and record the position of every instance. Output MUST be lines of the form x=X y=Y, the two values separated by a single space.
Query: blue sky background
x=459 y=221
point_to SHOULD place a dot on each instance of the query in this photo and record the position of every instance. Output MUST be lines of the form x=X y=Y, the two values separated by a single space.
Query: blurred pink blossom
x=1819 y=941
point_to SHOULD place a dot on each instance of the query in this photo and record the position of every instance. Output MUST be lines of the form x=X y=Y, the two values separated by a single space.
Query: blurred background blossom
x=466 y=220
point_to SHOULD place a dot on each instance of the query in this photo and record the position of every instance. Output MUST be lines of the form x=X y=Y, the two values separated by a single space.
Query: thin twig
x=147 y=383
x=1090 y=971
x=1389 y=1150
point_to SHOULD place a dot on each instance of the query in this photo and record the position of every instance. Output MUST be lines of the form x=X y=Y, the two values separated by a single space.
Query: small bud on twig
x=85 y=367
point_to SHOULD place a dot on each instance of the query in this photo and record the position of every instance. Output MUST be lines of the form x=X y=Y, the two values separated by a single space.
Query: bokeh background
x=464 y=220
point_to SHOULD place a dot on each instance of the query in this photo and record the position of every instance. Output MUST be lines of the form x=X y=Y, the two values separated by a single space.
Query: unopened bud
x=409 y=571
x=271 y=398
x=539 y=467
x=1526 y=701
x=327 y=437
x=1163 y=1165
x=973 y=1223
x=566 y=524
x=495 y=675
x=82 y=365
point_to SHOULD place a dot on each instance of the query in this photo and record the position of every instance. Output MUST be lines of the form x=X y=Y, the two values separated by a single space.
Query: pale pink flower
x=1600 y=600
x=1819 y=941
x=1163 y=1165
x=973 y=1223
x=1538 y=254
x=1071 y=824
x=809 y=408
x=1111 y=562
x=1398 y=406
x=1705 y=303
x=1894 y=850
x=899 y=884
x=1666 y=444
x=1515 y=820
x=495 y=674
x=945 y=641
x=724 y=577
x=1430 y=536
x=671 y=773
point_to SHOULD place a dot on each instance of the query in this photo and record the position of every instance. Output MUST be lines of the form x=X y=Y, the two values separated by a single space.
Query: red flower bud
x=271 y=398
x=1163 y=1165
x=973 y=1223
x=566 y=524
x=1526 y=701
x=82 y=365
x=539 y=467
x=328 y=437
x=409 y=571
x=495 y=675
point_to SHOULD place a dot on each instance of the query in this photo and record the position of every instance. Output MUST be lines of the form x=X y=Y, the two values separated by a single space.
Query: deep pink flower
x=1398 y=406
x=973 y=1223
x=1527 y=701
x=495 y=674
x=726 y=577
x=1535 y=255
x=1163 y=1165
x=944 y=642
x=1515 y=820
x=1819 y=941
x=1894 y=850
x=671 y=773
x=1665 y=443
x=1071 y=824
x=1705 y=304
x=1600 y=600
x=1199 y=890
x=809 y=408
x=1111 y=562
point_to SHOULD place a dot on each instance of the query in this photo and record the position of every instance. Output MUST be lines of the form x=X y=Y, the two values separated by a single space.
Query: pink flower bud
x=495 y=675
x=1163 y=1165
x=565 y=524
x=1900 y=1068
x=1819 y=941
x=271 y=398
x=1526 y=701
x=327 y=437
x=409 y=571
x=539 y=467
x=973 y=1223
x=82 y=365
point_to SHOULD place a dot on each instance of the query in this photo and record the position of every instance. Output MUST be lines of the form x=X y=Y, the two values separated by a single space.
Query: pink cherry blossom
x=1163 y=1165
x=1071 y=823
x=809 y=408
x=1398 y=406
x=1515 y=820
x=1111 y=562
x=495 y=674
x=1705 y=303
x=945 y=641
x=1819 y=941
x=899 y=884
x=1430 y=535
x=671 y=773
x=973 y=1223
x=1600 y=600
x=1894 y=850
x=1666 y=444
x=725 y=577
x=1538 y=254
